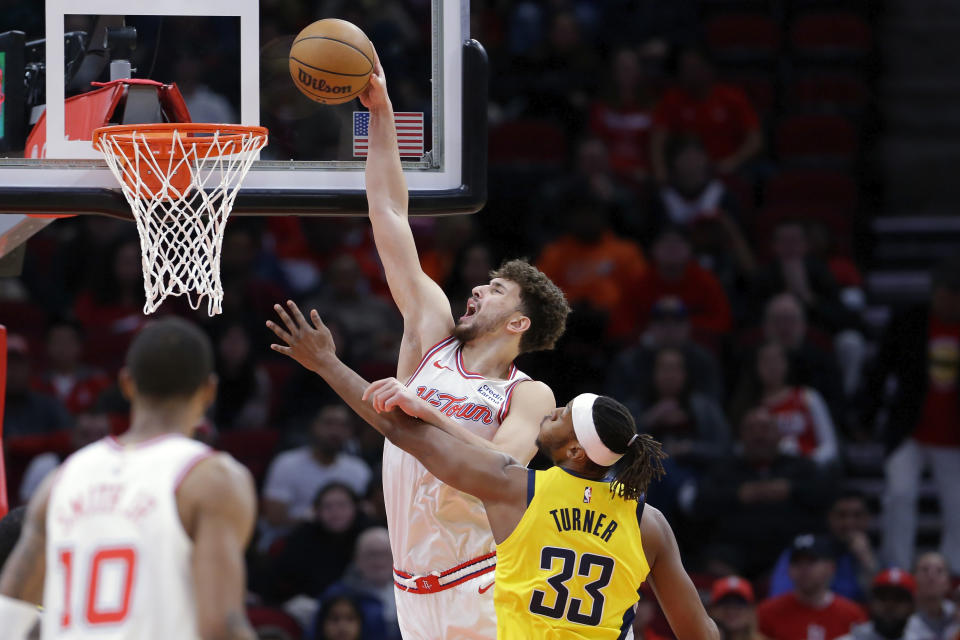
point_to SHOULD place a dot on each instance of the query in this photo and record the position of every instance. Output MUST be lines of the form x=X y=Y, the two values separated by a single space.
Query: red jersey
x=698 y=288
x=940 y=419
x=795 y=422
x=786 y=618
x=721 y=120
x=626 y=132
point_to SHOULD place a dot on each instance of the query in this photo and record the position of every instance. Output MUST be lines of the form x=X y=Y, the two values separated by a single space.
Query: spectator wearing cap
x=732 y=607
x=719 y=114
x=675 y=273
x=935 y=610
x=848 y=522
x=891 y=605
x=755 y=500
x=26 y=412
x=592 y=265
x=919 y=359
x=669 y=327
x=811 y=610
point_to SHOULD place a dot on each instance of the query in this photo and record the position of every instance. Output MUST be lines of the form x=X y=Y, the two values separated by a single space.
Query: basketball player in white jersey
x=140 y=537
x=443 y=550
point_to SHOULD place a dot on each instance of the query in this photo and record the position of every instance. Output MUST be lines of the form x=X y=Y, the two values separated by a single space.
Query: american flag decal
x=409 y=133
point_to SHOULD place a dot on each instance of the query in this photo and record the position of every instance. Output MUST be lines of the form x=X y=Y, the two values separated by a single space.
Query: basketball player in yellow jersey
x=575 y=542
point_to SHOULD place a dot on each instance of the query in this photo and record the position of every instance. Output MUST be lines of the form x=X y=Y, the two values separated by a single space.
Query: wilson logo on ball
x=321 y=85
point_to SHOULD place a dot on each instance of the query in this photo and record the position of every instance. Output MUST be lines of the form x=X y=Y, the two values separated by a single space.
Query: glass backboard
x=228 y=59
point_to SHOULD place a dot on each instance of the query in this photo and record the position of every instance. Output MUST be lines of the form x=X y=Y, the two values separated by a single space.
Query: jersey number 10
x=94 y=613
x=574 y=613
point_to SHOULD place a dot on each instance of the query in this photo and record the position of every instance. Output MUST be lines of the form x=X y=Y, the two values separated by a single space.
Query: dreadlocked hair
x=642 y=460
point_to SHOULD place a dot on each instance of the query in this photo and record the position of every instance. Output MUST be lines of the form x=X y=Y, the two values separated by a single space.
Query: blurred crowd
x=639 y=160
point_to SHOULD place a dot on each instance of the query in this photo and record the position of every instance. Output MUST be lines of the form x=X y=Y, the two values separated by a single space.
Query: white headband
x=586 y=430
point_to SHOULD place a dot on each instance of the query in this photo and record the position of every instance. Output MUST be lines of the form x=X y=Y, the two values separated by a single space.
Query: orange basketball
x=331 y=61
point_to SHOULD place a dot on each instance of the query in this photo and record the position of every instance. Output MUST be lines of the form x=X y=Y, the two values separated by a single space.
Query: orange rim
x=198 y=134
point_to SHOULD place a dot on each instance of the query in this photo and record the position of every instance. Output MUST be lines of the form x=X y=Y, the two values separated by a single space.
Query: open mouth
x=472 y=308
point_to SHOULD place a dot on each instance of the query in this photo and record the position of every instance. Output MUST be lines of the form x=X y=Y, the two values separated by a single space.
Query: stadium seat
x=815 y=138
x=834 y=189
x=745 y=37
x=831 y=35
x=828 y=92
x=758 y=87
x=528 y=142
x=254 y=448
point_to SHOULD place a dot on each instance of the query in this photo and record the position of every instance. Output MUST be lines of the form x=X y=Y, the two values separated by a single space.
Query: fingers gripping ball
x=331 y=61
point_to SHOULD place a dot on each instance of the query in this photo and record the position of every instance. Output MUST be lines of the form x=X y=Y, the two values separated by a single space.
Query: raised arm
x=218 y=505
x=491 y=476
x=425 y=309
x=677 y=596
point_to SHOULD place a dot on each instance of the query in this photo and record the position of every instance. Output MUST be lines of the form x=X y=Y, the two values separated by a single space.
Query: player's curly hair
x=540 y=300
x=642 y=460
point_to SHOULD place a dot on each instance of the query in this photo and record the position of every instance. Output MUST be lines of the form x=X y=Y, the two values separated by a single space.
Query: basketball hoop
x=181 y=180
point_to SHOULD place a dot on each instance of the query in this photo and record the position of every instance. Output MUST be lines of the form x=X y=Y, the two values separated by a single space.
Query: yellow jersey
x=573 y=566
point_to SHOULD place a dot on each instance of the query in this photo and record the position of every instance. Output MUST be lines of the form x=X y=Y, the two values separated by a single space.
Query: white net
x=181 y=185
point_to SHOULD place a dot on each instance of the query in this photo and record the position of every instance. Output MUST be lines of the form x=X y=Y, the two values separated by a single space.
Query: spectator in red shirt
x=891 y=605
x=66 y=377
x=719 y=114
x=593 y=265
x=624 y=116
x=802 y=417
x=921 y=351
x=811 y=611
x=675 y=273
x=732 y=607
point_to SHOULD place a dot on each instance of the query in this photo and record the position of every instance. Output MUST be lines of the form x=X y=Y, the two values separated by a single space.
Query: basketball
x=331 y=61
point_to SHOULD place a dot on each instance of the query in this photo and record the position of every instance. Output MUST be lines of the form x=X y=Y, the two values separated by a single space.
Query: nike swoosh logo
x=486 y=588
x=437 y=364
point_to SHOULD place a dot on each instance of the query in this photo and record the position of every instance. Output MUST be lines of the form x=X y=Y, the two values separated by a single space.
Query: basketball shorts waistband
x=442 y=580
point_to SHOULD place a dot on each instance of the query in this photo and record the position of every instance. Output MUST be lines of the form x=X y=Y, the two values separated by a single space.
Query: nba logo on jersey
x=587 y=492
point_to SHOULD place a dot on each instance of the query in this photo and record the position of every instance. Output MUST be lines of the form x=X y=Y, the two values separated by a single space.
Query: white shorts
x=461 y=612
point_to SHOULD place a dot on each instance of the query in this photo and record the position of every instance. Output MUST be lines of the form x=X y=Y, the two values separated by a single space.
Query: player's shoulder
x=529 y=390
x=217 y=476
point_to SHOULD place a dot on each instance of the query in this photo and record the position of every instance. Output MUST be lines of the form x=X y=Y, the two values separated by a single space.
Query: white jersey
x=434 y=527
x=118 y=558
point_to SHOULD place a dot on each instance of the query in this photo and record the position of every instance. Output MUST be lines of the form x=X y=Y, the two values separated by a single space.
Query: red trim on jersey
x=187 y=468
x=462 y=370
x=429 y=354
x=505 y=407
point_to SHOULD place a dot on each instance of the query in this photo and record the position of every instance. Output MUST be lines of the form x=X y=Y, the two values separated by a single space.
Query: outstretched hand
x=310 y=345
x=375 y=95
x=387 y=394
